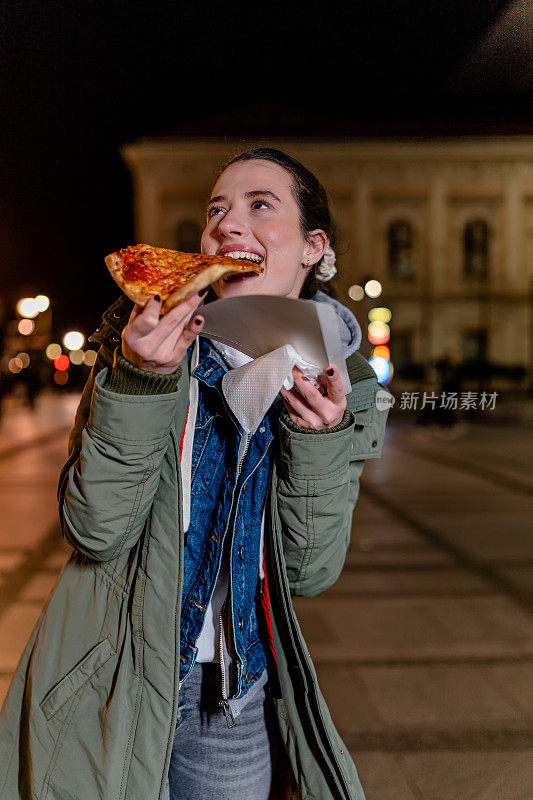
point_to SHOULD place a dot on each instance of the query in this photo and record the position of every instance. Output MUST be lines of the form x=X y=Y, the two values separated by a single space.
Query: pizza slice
x=143 y=271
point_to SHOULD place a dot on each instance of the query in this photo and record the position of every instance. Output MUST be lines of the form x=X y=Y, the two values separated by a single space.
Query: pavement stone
x=515 y=681
x=16 y=625
x=384 y=777
x=445 y=696
x=474 y=775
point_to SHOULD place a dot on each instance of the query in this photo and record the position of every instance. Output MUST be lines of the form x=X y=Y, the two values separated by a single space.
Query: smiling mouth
x=239 y=255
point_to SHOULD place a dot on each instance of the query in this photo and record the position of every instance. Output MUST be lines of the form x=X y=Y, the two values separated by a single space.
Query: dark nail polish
x=198 y=321
x=330 y=372
x=156 y=297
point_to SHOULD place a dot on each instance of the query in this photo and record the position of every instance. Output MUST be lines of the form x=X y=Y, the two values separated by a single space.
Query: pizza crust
x=199 y=282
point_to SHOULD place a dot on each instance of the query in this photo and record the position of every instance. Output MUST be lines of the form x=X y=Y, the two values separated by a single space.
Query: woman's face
x=252 y=209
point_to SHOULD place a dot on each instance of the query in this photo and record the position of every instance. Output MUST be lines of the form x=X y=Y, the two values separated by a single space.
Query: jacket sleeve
x=318 y=487
x=116 y=448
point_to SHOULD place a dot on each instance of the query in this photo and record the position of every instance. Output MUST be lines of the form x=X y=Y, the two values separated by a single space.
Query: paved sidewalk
x=424 y=646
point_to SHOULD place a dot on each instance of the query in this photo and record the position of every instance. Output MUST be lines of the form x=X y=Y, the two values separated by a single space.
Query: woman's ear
x=316 y=244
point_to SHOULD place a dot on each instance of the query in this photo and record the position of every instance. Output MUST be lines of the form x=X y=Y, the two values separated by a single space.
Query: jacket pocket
x=369 y=433
x=77 y=677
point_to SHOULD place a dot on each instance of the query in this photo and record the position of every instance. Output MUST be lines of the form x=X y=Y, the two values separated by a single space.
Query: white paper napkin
x=252 y=385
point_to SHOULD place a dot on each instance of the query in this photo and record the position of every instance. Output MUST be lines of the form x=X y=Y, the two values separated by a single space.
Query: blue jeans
x=211 y=761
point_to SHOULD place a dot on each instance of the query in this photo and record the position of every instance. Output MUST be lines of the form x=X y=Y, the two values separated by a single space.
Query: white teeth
x=244 y=254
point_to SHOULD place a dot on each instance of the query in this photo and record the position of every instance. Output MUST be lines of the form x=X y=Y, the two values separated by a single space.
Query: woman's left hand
x=308 y=407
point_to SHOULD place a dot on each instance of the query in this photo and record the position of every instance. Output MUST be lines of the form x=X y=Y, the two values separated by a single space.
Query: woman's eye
x=212 y=211
x=260 y=203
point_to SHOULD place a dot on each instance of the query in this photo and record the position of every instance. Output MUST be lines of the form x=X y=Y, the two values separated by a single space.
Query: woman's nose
x=231 y=225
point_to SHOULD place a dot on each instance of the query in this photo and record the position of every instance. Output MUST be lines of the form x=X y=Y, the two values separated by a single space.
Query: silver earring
x=307 y=262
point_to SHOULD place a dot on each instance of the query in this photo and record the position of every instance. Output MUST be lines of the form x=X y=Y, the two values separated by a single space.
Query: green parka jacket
x=91 y=711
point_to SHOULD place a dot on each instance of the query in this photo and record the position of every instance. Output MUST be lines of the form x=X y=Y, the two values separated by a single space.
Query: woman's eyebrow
x=263 y=192
x=253 y=193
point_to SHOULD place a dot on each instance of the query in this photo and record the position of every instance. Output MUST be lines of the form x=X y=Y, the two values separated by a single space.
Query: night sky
x=81 y=78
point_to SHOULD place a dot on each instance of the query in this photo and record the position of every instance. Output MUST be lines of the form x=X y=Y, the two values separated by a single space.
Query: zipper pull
x=230 y=721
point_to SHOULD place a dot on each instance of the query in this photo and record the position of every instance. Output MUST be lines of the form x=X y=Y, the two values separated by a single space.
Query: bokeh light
x=356 y=292
x=381 y=351
x=26 y=326
x=61 y=362
x=373 y=288
x=60 y=377
x=28 y=307
x=378 y=332
x=380 y=314
x=76 y=356
x=382 y=367
x=53 y=350
x=73 y=340
x=42 y=302
x=14 y=365
x=24 y=357
x=89 y=357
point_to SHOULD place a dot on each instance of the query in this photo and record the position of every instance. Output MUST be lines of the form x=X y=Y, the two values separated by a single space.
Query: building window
x=400 y=244
x=476 y=249
x=475 y=345
x=188 y=235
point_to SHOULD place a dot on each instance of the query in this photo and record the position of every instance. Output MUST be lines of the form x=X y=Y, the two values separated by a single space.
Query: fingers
x=143 y=322
x=190 y=333
x=181 y=313
x=300 y=409
x=319 y=411
x=149 y=322
x=307 y=389
x=334 y=385
x=135 y=311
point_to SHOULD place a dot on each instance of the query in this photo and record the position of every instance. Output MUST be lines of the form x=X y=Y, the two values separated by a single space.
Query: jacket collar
x=211 y=366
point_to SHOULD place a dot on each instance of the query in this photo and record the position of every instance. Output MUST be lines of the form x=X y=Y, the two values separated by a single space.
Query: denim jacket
x=229 y=480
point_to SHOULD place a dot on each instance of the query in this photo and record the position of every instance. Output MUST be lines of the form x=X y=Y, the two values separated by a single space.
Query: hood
x=349 y=328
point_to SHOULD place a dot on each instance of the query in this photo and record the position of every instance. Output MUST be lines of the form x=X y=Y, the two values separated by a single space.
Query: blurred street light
x=53 y=351
x=381 y=314
x=89 y=357
x=356 y=292
x=61 y=363
x=28 y=307
x=15 y=365
x=76 y=356
x=373 y=288
x=42 y=301
x=382 y=367
x=26 y=327
x=378 y=332
x=73 y=340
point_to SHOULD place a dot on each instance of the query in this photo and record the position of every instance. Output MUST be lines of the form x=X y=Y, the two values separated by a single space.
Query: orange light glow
x=61 y=363
x=60 y=377
x=381 y=351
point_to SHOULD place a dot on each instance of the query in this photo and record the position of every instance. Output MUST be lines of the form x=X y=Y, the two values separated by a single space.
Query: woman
x=168 y=661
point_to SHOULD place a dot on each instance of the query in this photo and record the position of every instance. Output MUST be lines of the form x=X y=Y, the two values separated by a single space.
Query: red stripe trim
x=183 y=431
x=265 y=599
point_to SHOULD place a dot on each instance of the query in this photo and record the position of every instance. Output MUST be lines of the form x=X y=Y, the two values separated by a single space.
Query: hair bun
x=327 y=268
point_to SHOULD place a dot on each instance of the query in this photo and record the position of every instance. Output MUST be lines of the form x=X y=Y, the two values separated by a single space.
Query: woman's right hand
x=159 y=344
